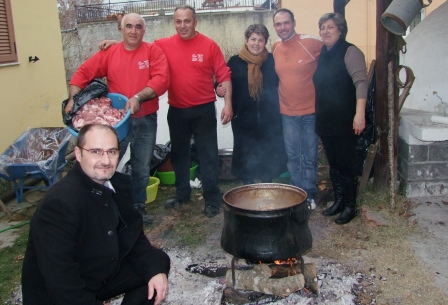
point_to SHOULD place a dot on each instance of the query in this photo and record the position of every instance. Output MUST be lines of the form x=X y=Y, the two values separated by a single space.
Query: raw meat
x=98 y=111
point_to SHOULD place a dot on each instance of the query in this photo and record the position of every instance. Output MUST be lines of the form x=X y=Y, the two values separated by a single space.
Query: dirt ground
x=403 y=262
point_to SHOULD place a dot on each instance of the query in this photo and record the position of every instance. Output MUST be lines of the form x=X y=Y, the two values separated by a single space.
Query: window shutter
x=7 y=39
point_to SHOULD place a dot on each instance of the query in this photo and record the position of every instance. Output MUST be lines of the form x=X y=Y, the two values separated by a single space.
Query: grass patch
x=11 y=259
x=5 y=186
x=385 y=252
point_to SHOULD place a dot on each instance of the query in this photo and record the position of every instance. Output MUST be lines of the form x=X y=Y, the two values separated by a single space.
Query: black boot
x=349 y=212
x=338 y=204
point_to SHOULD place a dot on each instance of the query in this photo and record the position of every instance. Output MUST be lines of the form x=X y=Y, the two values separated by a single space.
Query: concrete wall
x=427 y=54
x=226 y=28
x=31 y=93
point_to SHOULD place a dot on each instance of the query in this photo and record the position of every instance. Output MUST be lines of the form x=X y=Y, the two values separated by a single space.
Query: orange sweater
x=295 y=64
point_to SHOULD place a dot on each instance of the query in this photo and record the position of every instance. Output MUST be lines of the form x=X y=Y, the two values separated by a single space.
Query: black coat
x=335 y=92
x=75 y=246
x=258 y=146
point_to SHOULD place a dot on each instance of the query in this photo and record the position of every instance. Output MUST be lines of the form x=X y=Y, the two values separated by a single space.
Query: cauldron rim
x=263 y=186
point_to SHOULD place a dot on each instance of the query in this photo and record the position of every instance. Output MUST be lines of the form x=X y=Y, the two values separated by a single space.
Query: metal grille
x=109 y=11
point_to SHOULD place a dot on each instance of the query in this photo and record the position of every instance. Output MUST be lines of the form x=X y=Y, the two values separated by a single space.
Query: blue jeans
x=142 y=136
x=301 y=147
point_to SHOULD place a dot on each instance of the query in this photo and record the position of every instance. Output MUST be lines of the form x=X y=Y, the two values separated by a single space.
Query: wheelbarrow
x=39 y=153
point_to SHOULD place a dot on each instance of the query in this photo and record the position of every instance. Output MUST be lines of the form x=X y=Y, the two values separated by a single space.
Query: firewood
x=310 y=274
x=257 y=280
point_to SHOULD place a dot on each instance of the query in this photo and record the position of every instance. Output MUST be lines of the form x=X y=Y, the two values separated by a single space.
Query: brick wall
x=423 y=169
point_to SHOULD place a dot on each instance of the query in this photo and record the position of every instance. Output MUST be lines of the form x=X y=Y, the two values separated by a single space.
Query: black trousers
x=199 y=122
x=126 y=281
x=340 y=152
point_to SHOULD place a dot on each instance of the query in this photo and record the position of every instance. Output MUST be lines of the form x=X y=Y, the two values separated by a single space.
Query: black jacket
x=258 y=149
x=75 y=245
x=335 y=92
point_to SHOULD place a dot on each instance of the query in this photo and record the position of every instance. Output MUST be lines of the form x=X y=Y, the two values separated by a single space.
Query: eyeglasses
x=114 y=152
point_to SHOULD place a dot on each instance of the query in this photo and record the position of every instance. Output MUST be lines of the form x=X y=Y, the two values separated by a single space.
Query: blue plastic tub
x=119 y=102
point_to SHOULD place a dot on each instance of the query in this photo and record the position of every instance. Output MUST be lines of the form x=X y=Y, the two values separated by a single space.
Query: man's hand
x=105 y=44
x=134 y=104
x=226 y=114
x=158 y=283
x=69 y=107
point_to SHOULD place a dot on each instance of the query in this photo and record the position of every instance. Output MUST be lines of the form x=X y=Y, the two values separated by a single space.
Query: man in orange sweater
x=296 y=58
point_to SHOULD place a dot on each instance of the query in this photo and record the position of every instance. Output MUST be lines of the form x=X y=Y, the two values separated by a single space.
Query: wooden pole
x=392 y=133
x=385 y=53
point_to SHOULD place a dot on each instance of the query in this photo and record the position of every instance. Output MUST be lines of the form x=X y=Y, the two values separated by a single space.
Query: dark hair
x=186 y=7
x=338 y=19
x=86 y=128
x=284 y=10
x=257 y=29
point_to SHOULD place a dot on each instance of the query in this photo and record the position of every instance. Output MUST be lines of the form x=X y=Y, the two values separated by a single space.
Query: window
x=7 y=40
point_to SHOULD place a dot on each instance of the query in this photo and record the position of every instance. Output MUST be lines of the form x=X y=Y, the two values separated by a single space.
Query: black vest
x=335 y=92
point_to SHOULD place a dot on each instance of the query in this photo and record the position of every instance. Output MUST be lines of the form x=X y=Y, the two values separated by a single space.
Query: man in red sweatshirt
x=138 y=70
x=194 y=61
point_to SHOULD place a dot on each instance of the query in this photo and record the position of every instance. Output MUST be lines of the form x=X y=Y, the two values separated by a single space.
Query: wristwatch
x=138 y=99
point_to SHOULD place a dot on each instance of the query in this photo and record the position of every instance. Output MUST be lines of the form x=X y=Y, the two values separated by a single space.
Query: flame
x=289 y=261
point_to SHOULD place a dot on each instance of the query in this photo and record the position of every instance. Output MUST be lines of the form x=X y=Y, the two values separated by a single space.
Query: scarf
x=254 y=76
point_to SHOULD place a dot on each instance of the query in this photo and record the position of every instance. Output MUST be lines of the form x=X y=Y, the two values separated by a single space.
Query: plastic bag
x=367 y=136
x=38 y=147
x=95 y=88
x=160 y=155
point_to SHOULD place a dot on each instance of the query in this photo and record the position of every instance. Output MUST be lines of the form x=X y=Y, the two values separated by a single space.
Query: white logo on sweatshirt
x=143 y=64
x=197 y=57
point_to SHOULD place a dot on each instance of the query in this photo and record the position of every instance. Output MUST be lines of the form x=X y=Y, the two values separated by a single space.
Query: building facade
x=32 y=76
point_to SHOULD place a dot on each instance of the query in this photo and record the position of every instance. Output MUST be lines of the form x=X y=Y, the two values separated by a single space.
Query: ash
x=337 y=286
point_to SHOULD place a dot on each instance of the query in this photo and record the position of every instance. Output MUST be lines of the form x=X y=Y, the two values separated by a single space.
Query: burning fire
x=289 y=261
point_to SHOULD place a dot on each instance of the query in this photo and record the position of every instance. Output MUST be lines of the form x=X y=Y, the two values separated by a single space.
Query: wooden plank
x=371 y=153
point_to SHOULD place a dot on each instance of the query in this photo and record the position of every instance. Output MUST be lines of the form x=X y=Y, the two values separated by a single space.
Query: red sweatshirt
x=128 y=72
x=193 y=64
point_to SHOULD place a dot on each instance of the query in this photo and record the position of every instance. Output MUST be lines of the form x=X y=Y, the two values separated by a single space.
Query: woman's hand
x=359 y=123
x=221 y=90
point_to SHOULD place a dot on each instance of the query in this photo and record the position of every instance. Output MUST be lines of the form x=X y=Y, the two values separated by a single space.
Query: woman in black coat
x=258 y=148
x=341 y=85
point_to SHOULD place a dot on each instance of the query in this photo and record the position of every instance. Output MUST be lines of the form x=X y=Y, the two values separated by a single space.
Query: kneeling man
x=86 y=241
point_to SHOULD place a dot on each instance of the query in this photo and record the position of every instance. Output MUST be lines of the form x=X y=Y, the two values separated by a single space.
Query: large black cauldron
x=266 y=222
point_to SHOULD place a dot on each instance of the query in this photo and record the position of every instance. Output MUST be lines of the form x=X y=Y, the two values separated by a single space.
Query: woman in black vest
x=341 y=92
